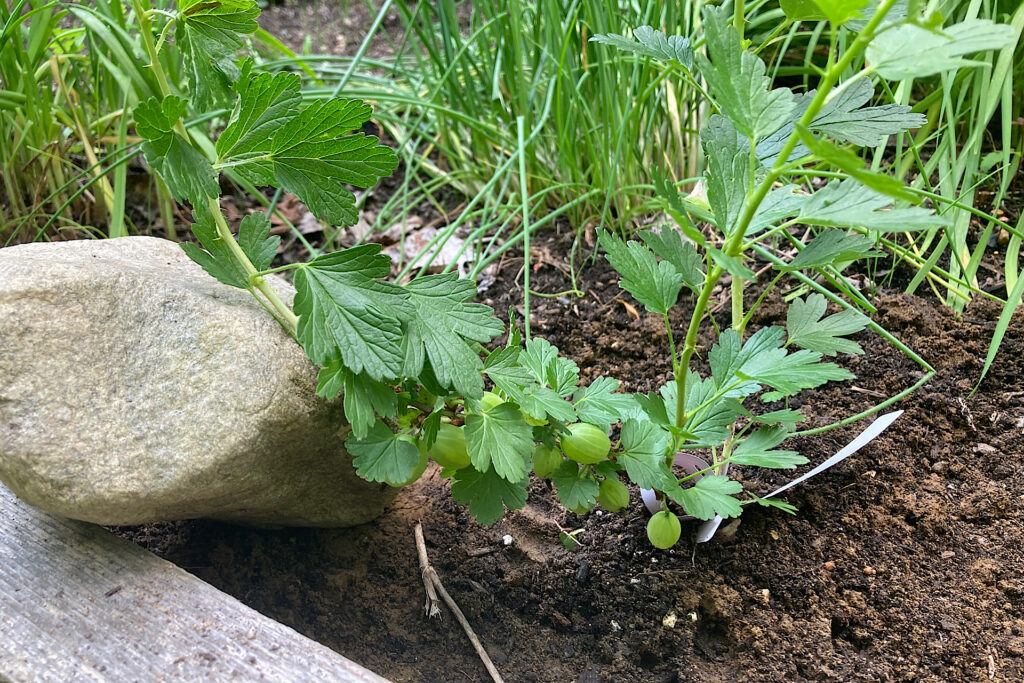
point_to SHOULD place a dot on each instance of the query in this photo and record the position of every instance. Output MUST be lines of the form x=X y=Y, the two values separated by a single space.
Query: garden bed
x=903 y=562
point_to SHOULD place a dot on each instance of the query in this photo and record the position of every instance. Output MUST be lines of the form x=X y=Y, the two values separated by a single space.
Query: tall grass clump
x=473 y=87
x=66 y=75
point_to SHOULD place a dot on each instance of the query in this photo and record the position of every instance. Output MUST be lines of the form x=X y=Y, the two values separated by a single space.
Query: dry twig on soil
x=433 y=586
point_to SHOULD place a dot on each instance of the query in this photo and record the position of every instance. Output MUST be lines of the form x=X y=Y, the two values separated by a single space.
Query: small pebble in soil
x=766 y=595
x=670 y=620
x=584 y=572
x=868 y=571
x=507 y=539
x=830 y=566
x=615 y=626
x=946 y=554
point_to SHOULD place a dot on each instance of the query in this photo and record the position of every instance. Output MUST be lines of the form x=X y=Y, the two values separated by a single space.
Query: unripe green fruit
x=449 y=449
x=663 y=530
x=546 y=460
x=421 y=466
x=586 y=444
x=490 y=400
x=532 y=421
x=613 y=495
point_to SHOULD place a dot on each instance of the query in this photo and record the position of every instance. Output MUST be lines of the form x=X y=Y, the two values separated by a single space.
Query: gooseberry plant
x=409 y=361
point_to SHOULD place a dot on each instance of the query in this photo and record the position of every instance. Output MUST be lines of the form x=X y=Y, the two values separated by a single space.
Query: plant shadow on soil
x=903 y=562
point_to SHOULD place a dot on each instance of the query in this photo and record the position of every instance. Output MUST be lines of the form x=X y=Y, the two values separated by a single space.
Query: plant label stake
x=707 y=530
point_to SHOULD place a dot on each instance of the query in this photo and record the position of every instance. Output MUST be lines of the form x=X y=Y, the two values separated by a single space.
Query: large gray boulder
x=136 y=388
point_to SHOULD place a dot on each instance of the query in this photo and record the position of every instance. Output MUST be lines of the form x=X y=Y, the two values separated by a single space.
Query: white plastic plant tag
x=651 y=501
x=707 y=530
x=863 y=439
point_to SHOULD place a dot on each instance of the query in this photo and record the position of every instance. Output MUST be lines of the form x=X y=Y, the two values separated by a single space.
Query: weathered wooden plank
x=79 y=604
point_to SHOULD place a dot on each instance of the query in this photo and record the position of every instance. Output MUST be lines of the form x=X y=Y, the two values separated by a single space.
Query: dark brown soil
x=903 y=563
x=335 y=27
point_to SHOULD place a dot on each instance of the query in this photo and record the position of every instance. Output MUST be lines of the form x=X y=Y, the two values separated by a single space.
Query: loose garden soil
x=904 y=562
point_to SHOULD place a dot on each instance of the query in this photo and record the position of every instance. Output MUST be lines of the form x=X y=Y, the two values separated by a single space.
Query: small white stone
x=693 y=616
x=615 y=626
x=670 y=620
x=507 y=539
x=634 y=580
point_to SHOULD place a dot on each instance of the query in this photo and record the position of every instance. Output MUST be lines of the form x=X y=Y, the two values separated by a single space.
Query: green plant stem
x=224 y=231
x=524 y=192
x=146 y=29
x=690 y=343
x=718 y=462
x=736 y=296
x=735 y=242
x=832 y=74
x=750 y=313
x=672 y=348
x=280 y=269
x=212 y=203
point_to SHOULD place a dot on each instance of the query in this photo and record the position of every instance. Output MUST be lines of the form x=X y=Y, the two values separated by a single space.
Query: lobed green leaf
x=599 y=404
x=382 y=456
x=913 y=51
x=441 y=327
x=499 y=437
x=487 y=493
x=832 y=246
x=574 y=486
x=183 y=168
x=654 y=284
x=208 y=35
x=756 y=450
x=738 y=81
x=643 y=453
x=650 y=42
x=808 y=329
x=345 y=309
x=710 y=496
x=217 y=259
x=668 y=244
